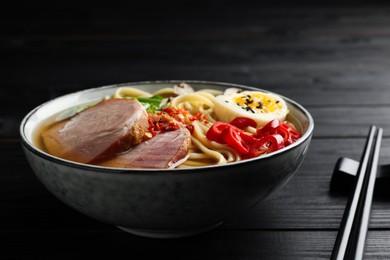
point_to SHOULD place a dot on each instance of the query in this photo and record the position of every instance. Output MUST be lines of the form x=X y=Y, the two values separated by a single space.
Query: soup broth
x=169 y=128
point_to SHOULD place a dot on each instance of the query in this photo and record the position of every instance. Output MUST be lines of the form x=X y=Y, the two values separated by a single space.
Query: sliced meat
x=99 y=132
x=161 y=151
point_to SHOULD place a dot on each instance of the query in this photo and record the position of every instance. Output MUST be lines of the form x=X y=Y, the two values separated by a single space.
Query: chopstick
x=351 y=237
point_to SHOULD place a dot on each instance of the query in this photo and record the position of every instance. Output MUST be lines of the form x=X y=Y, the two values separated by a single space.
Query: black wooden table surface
x=334 y=60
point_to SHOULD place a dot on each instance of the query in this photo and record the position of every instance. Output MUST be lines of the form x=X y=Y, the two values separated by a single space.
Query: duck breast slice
x=99 y=132
x=161 y=151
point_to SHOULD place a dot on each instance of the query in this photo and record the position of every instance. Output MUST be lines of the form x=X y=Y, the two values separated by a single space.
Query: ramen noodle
x=224 y=127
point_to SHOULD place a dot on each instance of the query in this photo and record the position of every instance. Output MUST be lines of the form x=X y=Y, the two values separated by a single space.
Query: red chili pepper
x=215 y=131
x=243 y=122
x=170 y=126
x=151 y=126
x=290 y=134
x=229 y=134
x=267 y=144
x=269 y=128
x=285 y=133
x=247 y=137
x=271 y=137
x=190 y=128
x=232 y=138
x=294 y=133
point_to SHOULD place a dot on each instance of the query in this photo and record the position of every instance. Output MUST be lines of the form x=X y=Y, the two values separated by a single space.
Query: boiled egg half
x=262 y=107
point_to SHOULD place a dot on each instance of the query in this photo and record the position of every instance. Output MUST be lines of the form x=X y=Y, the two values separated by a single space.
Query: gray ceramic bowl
x=162 y=203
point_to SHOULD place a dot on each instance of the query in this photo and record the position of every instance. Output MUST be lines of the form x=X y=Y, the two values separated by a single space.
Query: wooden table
x=333 y=60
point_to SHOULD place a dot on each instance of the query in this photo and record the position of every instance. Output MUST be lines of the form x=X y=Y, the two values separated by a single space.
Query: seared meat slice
x=161 y=151
x=99 y=132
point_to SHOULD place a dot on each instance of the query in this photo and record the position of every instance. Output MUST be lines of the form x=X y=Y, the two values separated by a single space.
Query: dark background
x=333 y=57
x=62 y=46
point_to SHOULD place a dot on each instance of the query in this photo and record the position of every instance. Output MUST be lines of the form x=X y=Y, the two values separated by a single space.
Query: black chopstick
x=351 y=237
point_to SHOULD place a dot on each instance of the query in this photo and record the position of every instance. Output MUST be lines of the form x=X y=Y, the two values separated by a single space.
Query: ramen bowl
x=162 y=203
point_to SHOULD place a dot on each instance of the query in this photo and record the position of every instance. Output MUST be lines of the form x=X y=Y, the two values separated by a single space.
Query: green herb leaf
x=151 y=104
x=155 y=100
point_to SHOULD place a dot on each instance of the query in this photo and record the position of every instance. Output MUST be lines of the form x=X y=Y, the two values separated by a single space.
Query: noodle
x=203 y=145
x=195 y=101
x=203 y=152
x=208 y=152
x=165 y=92
x=213 y=156
x=126 y=92
x=223 y=127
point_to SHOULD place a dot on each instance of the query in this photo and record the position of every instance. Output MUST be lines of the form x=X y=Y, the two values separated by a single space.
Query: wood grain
x=315 y=204
x=332 y=58
x=219 y=244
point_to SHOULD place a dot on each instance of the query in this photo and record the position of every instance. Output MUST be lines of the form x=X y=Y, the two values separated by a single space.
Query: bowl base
x=168 y=233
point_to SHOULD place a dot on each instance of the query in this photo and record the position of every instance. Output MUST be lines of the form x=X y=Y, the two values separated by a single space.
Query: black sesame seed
x=250 y=109
x=277 y=102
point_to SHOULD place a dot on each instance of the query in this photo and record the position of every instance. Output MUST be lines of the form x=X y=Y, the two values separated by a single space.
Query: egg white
x=247 y=104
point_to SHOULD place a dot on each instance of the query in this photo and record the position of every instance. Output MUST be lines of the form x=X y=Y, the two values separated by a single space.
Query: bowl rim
x=31 y=147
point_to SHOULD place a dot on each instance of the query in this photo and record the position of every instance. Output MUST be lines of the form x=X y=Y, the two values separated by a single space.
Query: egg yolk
x=258 y=103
